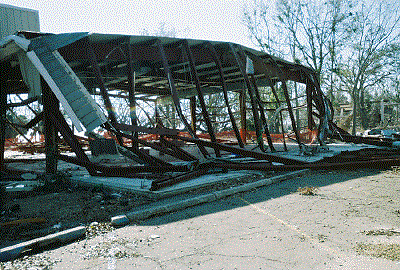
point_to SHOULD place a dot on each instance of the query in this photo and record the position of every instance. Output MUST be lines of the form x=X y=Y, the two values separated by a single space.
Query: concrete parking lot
x=352 y=222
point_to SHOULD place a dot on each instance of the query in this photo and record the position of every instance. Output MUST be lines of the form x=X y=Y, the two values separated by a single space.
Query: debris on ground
x=386 y=251
x=32 y=262
x=387 y=232
x=309 y=191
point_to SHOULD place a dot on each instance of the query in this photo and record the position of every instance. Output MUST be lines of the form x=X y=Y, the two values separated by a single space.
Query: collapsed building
x=80 y=81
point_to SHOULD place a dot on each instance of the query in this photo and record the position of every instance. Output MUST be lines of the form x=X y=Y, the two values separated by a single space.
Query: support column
x=175 y=97
x=50 y=104
x=132 y=97
x=309 y=91
x=262 y=114
x=193 y=112
x=3 y=110
x=217 y=61
x=200 y=96
x=291 y=115
x=242 y=107
x=254 y=106
x=103 y=90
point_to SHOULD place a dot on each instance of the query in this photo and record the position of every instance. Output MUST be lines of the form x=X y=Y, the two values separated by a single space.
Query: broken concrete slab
x=161 y=208
x=22 y=186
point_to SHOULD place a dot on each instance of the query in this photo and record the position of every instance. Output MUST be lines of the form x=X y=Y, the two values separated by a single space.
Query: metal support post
x=193 y=112
x=174 y=96
x=59 y=121
x=103 y=90
x=214 y=55
x=310 y=123
x=243 y=124
x=3 y=110
x=291 y=115
x=131 y=90
x=50 y=104
x=262 y=114
x=254 y=107
x=200 y=95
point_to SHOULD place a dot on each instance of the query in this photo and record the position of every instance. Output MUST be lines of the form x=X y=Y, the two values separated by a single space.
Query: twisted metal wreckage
x=72 y=68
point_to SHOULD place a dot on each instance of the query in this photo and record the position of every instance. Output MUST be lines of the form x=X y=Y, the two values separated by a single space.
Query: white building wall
x=13 y=19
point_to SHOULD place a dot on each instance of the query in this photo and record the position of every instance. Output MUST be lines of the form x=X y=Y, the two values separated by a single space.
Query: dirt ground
x=44 y=212
x=60 y=205
x=348 y=220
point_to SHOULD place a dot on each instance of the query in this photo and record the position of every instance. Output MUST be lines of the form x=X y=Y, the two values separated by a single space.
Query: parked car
x=382 y=133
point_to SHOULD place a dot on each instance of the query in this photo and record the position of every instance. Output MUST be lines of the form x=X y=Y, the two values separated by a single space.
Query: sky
x=219 y=20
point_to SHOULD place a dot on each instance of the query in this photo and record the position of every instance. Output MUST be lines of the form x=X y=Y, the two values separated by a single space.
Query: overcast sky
x=199 y=19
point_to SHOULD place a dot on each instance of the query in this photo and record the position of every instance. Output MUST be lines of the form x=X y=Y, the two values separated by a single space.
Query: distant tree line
x=354 y=46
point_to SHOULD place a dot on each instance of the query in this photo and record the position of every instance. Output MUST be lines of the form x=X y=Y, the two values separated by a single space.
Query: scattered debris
x=386 y=251
x=96 y=228
x=387 y=232
x=23 y=186
x=309 y=191
x=33 y=262
x=23 y=222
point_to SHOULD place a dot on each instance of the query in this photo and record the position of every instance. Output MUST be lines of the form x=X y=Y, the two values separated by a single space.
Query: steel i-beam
x=257 y=124
x=131 y=91
x=174 y=95
x=200 y=95
x=103 y=90
x=218 y=64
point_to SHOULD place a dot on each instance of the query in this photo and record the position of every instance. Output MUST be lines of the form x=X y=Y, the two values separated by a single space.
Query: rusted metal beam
x=50 y=104
x=242 y=152
x=69 y=137
x=100 y=81
x=193 y=112
x=156 y=130
x=262 y=114
x=242 y=110
x=142 y=155
x=200 y=96
x=131 y=91
x=174 y=147
x=174 y=96
x=118 y=171
x=23 y=102
x=284 y=89
x=259 y=105
x=256 y=117
x=218 y=64
x=4 y=66
x=278 y=104
x=169 y=181
x=39 y=117
x=382 y=163
x=291 y=115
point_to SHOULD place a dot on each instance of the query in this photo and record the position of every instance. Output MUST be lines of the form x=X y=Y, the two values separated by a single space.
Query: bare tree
x=350 y=44
x=369 y=57
x=298 y=30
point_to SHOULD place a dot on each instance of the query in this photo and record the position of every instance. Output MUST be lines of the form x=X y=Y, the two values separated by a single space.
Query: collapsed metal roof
x=74 y=66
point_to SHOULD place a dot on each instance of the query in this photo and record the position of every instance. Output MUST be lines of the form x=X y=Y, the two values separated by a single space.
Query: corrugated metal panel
x=66 y=85
x=13 y=19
